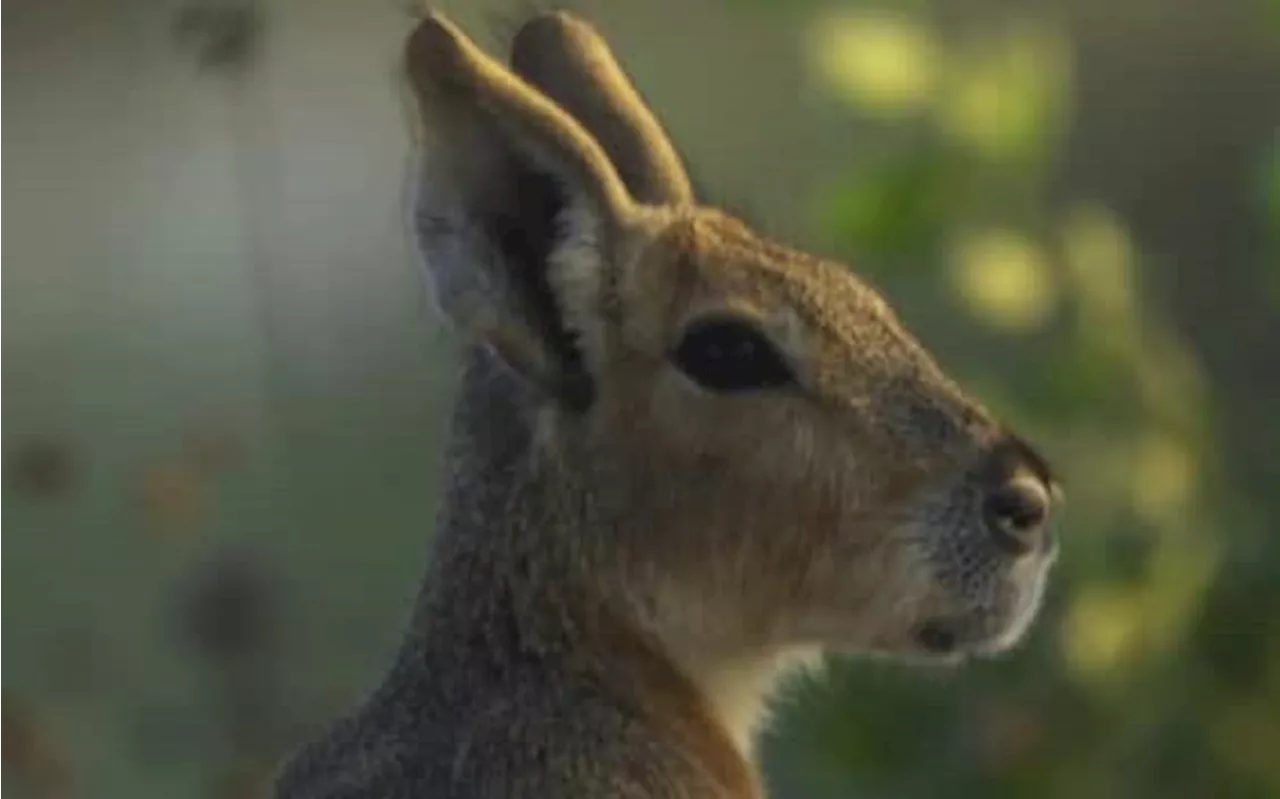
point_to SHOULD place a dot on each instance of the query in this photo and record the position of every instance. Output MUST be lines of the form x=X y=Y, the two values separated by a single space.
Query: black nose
x=1016 y=514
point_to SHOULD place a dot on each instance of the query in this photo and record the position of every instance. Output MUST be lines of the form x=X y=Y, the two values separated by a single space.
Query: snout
x=1018 y=498
x=992 y=558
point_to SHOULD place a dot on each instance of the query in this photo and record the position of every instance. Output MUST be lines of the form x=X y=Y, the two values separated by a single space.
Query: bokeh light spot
x=886 y=64
x=1101 y=631
x=1100 y=259
x=1004 y=279
x=1164 y=472
x=1005 y=93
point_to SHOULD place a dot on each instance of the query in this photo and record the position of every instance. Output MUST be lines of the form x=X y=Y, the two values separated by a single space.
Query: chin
x=989 y=630
x=1008 y=629
x=988 y=620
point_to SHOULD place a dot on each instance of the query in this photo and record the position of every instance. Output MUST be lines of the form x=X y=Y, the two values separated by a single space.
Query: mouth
x=986 y=601
x=939 y=641
x=986 y=632
x=937 y=637
x=948 y=642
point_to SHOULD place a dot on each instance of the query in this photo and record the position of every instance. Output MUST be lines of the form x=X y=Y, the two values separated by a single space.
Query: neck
x=497 y=595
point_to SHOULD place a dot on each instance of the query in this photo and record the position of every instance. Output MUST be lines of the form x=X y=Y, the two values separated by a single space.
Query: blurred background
x=226 y=396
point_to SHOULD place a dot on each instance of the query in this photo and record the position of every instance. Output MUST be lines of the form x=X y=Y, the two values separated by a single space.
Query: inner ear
x=526 y=235
x=516 y=183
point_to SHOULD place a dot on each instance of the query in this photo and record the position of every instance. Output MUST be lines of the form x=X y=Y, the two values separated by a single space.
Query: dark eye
x=730 y=355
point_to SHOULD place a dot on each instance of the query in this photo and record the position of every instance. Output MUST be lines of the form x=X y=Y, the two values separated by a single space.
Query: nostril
x=1015 y=514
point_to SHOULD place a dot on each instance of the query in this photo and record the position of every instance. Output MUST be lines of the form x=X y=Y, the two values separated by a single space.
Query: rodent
x=683 y=460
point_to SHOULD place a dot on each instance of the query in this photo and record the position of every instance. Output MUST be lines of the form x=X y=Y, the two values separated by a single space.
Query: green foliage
x=898 y=208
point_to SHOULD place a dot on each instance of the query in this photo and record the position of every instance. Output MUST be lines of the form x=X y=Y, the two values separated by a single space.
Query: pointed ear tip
x=429 y=38
x=557 y=29
x=433 y=51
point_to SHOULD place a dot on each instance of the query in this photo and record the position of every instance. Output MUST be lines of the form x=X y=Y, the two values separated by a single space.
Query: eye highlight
x=728 y=355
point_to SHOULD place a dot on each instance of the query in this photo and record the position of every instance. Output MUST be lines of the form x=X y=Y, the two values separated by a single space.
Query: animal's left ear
x=520 y=213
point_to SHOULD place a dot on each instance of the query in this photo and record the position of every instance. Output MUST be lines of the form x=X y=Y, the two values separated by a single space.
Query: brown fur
x=628 y=561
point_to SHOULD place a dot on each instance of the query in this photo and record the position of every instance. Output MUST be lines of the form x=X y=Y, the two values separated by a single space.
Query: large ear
x=571 y=63
x=502 y=166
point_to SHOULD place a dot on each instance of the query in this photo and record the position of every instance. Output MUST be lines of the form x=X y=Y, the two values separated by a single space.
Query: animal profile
x=684 y=459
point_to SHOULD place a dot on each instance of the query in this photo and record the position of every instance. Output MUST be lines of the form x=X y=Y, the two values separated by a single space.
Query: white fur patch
x=576 y=271
x=739 y=690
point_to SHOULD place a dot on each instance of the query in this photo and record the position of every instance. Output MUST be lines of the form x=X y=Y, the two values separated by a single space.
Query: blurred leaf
x=1182 y=569
x=887 y=64
x=1101 y=259
x=1102 y=635
x=1082 y=381
x=1171 y=385
x=1238 y=621
x=1110 y=628
x=225 y=34
x=1006 y=93
x=861 y=720
x=228 y=610
x=897 y=208
x=1164 y=478
x=1003 y=278
x=1246 y=732
x=41 y=469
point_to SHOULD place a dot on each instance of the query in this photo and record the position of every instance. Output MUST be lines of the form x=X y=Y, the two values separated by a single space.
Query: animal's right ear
x=569 y=61
x=510 y=181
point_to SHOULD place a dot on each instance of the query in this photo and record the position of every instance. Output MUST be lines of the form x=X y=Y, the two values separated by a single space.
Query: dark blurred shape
x=228 y=611
x=1237 y=621
x=224 y=35
x=31 y=758
x=41 y=469
x=895 y=208
x=228 y=615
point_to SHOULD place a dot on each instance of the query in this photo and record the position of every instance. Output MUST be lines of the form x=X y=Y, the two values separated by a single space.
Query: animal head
x=760 y=454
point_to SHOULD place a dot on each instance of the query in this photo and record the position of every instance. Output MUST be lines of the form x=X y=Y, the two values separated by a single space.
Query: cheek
x=869 y=599
x=773 y=460
x=764 y=466
x=676 y=415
